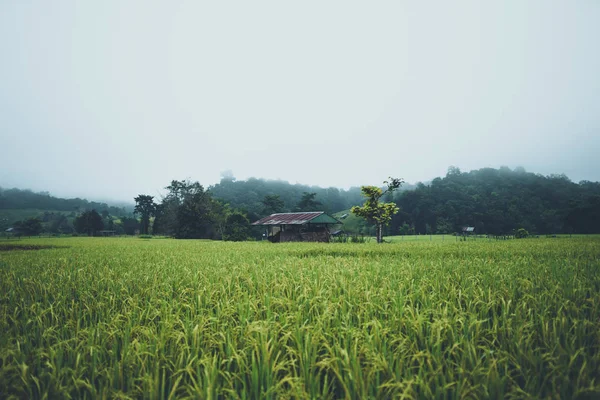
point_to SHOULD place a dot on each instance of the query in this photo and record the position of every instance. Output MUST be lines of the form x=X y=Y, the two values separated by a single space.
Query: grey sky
x=109 y=99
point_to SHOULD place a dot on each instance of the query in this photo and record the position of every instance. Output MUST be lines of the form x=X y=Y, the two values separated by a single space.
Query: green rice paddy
x=132 y=318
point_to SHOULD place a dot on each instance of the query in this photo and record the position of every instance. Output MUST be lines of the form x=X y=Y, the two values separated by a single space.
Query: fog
x=110 y=99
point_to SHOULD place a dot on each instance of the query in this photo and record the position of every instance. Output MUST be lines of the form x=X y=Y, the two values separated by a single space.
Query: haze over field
x=113 y=99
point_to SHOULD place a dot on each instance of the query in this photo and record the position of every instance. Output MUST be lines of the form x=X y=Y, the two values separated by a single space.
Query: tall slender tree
x=375 y=211
x=146 y=208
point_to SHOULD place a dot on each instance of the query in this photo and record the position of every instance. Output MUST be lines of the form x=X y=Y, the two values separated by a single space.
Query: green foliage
x=237 y=228
x=350 y=239
x=125 y=318
x=308 y=203
x=373 y=210
x=26 y=199
x=29 y=227
x=146 y=208
x=359 y=239
x=584 y=213
x=521 y=233
x=248 y=195
x=127 y=226
x=89 y=222
x=355 y=225
x=406 y=229
x=56 y=223
x=494 y=201
x=190 y=212
x=497 y=201
x=196 y=217
x=272 y=204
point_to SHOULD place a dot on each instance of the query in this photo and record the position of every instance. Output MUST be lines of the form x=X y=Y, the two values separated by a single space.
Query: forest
x=497 y=201
x=494 y=201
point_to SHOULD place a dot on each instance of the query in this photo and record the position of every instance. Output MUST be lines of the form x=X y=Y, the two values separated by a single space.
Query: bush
x=521 y=233
x=359 y=239
x=339 y=239
x=350 y=239
x=237 y=228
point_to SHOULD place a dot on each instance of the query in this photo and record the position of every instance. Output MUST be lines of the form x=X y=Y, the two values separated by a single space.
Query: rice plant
x=130 y=318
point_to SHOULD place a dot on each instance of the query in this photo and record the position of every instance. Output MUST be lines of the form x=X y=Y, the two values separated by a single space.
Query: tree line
x=494 y=201
x=88 y=222
x=499 y=201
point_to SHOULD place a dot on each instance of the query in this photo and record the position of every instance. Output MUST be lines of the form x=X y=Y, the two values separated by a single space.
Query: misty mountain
x=26 y=199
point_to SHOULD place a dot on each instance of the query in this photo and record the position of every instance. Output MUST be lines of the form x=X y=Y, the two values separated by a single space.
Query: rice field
x=131 y=318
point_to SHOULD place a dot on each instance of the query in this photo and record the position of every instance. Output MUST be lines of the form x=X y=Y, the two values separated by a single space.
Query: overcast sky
x=109 y=99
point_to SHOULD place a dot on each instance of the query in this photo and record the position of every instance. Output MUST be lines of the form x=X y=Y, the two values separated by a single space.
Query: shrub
x=359 y=239
x=521 y=233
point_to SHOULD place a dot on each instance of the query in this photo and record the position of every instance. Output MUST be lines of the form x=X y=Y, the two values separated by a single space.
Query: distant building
x=298 y=227
x=13 y=232
x=468 y=230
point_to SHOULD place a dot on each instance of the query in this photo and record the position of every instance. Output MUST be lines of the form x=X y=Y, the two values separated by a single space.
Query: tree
x=146 y=207
x=521 y=233
x=128 y=225
x=272 y=204
x=237 y=228
x=29 y=227
x=60 y=224
x=375 y=211
x=159 y=214
x=443 y=225
x=179 y=190
x=196 y=217
x=88 y=222
x=308 y=202
x=166 y=220
x=188 y=211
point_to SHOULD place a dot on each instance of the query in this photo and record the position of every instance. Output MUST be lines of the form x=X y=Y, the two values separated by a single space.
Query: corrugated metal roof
x=298 y=218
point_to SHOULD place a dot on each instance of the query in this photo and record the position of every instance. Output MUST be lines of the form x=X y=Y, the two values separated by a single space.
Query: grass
x=130 y=318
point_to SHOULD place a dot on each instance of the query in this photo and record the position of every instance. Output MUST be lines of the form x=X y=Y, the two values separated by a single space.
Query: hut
x=468 y=231
x=13 y=232
x=311 y=226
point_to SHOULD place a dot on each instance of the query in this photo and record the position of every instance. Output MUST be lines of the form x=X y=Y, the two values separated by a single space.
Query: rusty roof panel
x=298 y=218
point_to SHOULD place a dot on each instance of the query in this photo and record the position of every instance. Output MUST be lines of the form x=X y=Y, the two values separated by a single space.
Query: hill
x=18 y=205
x=496 y=201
